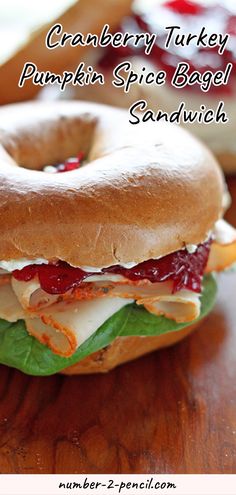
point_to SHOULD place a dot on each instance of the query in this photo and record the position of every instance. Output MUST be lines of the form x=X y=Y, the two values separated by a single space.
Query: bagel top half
x=145 y=190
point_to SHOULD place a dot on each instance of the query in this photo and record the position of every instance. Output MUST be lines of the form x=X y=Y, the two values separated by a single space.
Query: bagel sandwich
x=110 y=236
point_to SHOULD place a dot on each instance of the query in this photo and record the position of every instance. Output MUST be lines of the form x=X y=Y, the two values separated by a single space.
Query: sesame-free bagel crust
x=146 y=190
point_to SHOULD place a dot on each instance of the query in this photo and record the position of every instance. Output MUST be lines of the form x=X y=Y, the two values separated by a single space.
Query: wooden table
x=173 y=411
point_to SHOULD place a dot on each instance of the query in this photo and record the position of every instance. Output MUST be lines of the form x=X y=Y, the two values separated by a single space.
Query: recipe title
x=125 y=76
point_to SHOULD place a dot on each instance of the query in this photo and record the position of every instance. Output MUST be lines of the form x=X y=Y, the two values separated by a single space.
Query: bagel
x=112 y=253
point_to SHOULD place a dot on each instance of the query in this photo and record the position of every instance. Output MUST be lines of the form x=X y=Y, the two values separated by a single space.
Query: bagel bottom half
x=124 y=349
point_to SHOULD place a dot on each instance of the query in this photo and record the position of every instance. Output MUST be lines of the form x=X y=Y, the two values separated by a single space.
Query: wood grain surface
x=173 y=411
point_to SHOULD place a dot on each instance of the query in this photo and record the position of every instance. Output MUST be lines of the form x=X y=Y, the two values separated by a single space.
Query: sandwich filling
x=63 y=305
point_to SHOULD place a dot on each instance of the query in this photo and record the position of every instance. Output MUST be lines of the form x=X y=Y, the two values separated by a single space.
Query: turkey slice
x=10 y=308
x=32 y=297
x=30 y=294
x=65 y=326
x=157 y=298
x=223 y=248
x=183 y=307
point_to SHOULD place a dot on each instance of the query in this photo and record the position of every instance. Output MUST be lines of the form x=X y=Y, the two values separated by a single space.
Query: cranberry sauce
x=184 y=269
x=70 y=164
x=191 y=16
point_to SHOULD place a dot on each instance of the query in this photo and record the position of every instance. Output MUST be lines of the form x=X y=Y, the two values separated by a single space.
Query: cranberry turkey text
x=124 y=74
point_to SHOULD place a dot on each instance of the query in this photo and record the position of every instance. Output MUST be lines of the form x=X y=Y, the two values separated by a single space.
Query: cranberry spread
x=191 y=16
x=70 y=164
x=184 y=269
x=185 y=7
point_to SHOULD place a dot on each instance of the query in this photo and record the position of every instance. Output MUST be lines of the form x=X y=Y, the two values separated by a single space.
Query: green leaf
x=19 y=350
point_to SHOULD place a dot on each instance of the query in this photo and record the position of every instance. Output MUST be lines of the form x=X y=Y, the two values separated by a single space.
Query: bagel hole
x=51 y=144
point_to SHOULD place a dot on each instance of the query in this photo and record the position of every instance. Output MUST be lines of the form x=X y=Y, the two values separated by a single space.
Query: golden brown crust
x=146 y=191
x=125 y=349
x=82 y=17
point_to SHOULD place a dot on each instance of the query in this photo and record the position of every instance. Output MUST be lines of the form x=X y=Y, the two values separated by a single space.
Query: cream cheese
x=98 y=269
x=191 y=248
x=12 y=265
